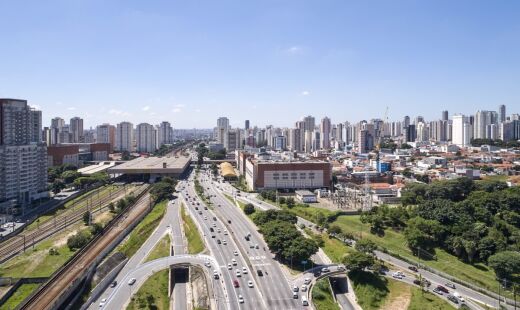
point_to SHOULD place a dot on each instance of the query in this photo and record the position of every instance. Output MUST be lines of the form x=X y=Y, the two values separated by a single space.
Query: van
x=305 y=302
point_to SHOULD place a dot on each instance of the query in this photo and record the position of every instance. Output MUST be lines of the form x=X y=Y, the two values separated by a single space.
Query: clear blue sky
x=272 y=62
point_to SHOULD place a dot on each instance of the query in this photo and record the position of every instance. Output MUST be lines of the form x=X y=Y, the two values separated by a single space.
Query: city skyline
x=185 y=63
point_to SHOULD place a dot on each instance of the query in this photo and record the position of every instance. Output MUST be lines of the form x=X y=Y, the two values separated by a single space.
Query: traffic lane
x=340 y=288
x=226 y=280
x=227 y=255
x=276 y=289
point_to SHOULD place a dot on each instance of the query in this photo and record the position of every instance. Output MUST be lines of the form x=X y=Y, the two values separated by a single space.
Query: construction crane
x=380 y=132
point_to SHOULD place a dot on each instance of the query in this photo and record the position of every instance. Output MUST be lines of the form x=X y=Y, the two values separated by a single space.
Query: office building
x=246 y=124
x=410 y=134
x=124 y=137
x=365 y=137
x=444 y=115
x=222 y=128
x=501 y=113
x=145 y=136
x=22 y=155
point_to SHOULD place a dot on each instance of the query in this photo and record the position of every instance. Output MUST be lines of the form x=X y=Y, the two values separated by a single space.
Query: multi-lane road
x=274 y=286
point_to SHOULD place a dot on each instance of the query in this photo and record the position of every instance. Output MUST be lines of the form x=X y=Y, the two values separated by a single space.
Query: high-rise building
x=462 y=130
x=124 y=137
x=309 y=126
x=406 y=121
x=145 y=136
x=57 y=123
x=295 y=139
x=365 y=137
x=444 y=115
x=422 y=132
x=23 y=156
x=222 y=128
x=280 y=143
x=410 y=133
x=246 y=124
x=482 y=120
x=325 y=128
x=106 y=133
x=76 y=129
x=339 y=133
x=232 y=140
x=501 y=113
x=164 y=134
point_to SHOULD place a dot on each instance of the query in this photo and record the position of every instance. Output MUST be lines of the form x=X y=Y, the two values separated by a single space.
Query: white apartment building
x=462 y=132
x=164 y=134
x=124 y=137
x=145 y=135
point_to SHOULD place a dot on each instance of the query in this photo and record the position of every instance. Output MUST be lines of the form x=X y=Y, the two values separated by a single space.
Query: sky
x=269 y=61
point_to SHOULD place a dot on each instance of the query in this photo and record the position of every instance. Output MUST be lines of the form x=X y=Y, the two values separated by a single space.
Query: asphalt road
x=273 y=284
x=224 y=254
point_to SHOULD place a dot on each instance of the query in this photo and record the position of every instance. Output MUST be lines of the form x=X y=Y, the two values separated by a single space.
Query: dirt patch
x=62 y=239
x=103 y=217
x=400 y=300
x=199 y=288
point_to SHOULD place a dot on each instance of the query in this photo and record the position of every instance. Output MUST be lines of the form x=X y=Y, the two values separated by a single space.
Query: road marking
x=259 y=265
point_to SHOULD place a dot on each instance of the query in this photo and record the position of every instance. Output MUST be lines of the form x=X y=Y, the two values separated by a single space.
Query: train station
x=151 y=168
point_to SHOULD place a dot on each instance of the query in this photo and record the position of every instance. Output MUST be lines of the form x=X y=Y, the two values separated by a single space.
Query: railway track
x=22 y=241
x=60 y=282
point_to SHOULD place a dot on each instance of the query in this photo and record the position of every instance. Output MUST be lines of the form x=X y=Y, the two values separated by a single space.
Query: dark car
x=413 y=268
x=235 y=283
x=218 y=241
x=453 y=299
x=259 y=273
x=211 y=229
x=442 y=289
x=229 y=221
x=417 y=282
x=450 y=285
x=113 y=284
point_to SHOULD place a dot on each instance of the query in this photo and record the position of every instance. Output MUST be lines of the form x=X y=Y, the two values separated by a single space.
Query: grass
x=161 y=249
x=393 y=241
x=334 y=248
x=153 y=294
x=103 y=191
x=20 y=294
x=143 y=230
x=195 y=242
x=371 y=290
x=38 y=262
x=322 y=296
x=427 y=301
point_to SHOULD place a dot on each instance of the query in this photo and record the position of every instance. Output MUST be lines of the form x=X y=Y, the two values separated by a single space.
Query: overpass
x=122 y=293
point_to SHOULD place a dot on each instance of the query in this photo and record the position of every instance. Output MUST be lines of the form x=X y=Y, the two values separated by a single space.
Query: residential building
x=124 y=137
x=325 y=131
x=76 y=129
x=145 y=135
x=106 y=133
x=164 y=134
x=462 y=131
x=23 y=164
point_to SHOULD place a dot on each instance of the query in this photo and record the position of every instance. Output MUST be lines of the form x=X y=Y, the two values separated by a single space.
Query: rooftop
x=153 y=165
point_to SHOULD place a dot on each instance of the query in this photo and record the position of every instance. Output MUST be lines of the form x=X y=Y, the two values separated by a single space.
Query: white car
x=325 y=269
x=307 y=280
x=234 y=261
x=244 y=270
x=250 y=283
x=235 y=253
x=224 y=242
x=225 y=232
x=104 y=301
x=205 y=217
x=207 y=264
x=295 y=289
x=131 y=281
x=240 y=299
x=304 y=288
x=238 y=273
x=229 y=267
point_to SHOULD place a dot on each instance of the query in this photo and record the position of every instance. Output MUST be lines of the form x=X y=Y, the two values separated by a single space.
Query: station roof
x=155 y=165
x=227 y=170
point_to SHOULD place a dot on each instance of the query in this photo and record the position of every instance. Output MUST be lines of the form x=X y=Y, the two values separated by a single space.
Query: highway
x=224 y=254
x=170 y=224
x=273 y=284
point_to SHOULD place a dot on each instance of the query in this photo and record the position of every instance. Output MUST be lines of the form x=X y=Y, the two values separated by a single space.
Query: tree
x=290 y=202
x=366 y=246
x=506 y=264
x=96 y=228
x=111 y=207
x=358 y=261
x=334 y=230
x=69 y=176
x=78 y=240
x=87 y=218
x=281 y=200
x=422 y=233
x=57 y=186
x=249 y=209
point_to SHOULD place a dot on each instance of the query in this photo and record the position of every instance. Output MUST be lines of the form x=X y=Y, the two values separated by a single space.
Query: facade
x=462 y=131
x=482 y=122
x=23 y=164
x=145 y=136
x=164 y=134
x=270 y=174
x=124 y=137
x=232 y=140
x=63 y=154
x=76 y=129
x=222 y=129
x=106 y=133
x=325 y=131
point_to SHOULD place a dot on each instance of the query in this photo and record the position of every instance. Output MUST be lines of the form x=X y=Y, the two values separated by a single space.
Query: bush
x=78 y=240
x=249 y=209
